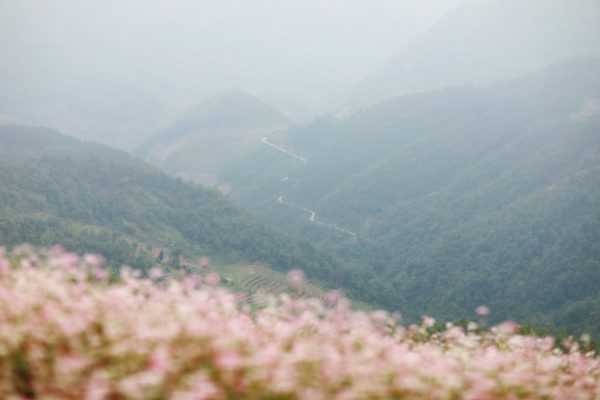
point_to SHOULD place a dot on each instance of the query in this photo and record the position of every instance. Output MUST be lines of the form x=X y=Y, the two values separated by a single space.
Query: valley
x=90 y=198
x=312 y=214
x=313 y=217
x=300 y=199
x=436 y=193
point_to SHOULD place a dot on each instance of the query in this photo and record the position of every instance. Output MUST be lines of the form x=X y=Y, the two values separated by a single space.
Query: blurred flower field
x=70 y=331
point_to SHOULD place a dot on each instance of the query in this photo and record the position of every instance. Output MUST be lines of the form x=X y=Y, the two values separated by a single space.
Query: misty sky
x=188 y=49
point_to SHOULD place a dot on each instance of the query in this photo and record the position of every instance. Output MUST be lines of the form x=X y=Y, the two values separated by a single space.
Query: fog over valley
x=127 y=67
x=340 y=199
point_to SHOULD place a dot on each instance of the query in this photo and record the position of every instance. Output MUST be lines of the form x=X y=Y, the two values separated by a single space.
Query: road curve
x=313 y=217
x=265 y=140
x=312 y=214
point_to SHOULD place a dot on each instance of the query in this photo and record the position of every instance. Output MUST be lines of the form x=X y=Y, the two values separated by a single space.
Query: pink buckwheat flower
x=296 y=278
x=482 y=311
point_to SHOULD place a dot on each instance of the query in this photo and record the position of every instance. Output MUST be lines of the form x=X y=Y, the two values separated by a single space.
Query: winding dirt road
x=265 y=140
x=313 y=217
x=312 y=214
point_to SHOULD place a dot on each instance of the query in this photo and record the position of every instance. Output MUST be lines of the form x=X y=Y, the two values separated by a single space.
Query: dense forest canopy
x=460 y=197
x=300 y=199
x=90 y=198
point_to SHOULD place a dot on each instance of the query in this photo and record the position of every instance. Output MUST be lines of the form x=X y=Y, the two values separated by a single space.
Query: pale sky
x=124 y=67
x=207 y=43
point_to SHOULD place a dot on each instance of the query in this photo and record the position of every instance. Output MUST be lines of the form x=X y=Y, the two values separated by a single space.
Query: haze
x=155 y=58
x=437 y=161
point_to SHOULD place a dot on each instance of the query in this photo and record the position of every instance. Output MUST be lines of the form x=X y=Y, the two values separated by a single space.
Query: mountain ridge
x=91 y=198
x=480 y=42
x=211 y=134
x=454 y=193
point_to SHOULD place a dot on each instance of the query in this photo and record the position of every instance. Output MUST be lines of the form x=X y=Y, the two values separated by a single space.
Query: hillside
x=90 y=198
x=480 y=42
x=211 y=135
x=458 y=197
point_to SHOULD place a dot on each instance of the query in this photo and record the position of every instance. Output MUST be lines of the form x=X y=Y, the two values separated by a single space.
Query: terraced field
x=256 y=282
x=259 y=284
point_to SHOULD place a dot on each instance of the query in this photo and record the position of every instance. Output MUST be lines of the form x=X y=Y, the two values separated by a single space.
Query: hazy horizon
x=316 y=199
x=167 y=55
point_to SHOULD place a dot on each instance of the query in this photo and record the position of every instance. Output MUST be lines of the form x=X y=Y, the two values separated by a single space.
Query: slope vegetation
x=459 y=197
x=211 y=135
x=90 y=198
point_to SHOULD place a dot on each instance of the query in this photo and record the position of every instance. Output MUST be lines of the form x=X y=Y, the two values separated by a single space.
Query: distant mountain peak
x=212 y=134
x=229 y=110
x=232 y=95
x=485 y=41
x=235 y=107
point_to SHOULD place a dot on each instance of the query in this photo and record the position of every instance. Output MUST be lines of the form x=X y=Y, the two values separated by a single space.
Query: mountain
x=92 y=105
x=296 y=110
x=211 y=135
x=90 y=198
x=456 y=197
x=480 y=42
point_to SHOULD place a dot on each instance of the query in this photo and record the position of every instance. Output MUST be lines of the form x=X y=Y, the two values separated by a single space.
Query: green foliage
x=211 y=135
x=86 y=197
x=460 y=197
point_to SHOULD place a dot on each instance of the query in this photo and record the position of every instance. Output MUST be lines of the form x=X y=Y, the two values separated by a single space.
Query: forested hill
x=480 y=42
x=459 y=197
x=212 y=134
x=89 y=198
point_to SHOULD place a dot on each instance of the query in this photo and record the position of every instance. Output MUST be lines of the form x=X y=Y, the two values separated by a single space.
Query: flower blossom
x=66 y=334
